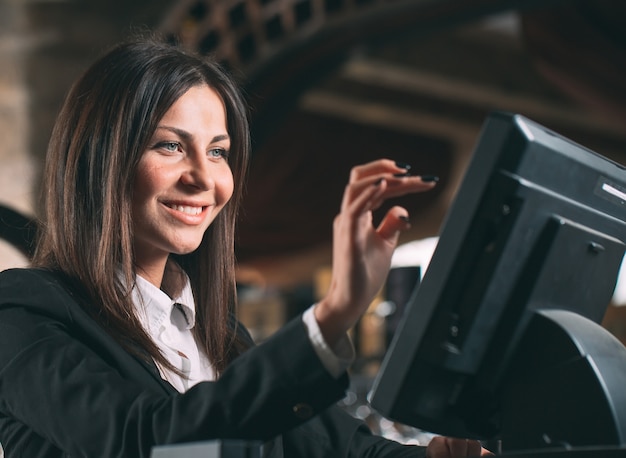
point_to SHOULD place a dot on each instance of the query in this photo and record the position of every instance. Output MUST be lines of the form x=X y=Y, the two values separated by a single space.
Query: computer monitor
x=525 y=266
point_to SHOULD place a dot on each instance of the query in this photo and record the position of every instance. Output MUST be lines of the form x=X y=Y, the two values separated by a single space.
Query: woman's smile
x=189 y=210
x=188 y=213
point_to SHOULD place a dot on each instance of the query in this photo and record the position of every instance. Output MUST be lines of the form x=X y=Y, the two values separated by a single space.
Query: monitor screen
x=537 y=223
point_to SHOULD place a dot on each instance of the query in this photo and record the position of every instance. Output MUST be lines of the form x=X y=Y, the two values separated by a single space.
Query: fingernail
x=404 y=218
x=403 y=165
x=429 y=178
x=401 y=175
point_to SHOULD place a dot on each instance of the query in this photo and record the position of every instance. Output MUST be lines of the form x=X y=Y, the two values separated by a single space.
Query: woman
x=122 y=337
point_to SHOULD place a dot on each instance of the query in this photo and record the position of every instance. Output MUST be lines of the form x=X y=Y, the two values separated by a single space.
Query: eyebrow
x=187 y=136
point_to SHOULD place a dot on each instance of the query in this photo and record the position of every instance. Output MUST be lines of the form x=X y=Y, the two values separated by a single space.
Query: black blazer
x=68 y=389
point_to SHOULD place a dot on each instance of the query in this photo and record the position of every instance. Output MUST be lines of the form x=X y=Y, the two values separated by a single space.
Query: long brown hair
x=103 y=128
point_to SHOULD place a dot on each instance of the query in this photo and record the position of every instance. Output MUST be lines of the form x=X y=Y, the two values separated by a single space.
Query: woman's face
x=183 y=179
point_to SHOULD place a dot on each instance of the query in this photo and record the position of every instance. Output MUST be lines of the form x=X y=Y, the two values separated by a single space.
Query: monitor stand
x=565 y=393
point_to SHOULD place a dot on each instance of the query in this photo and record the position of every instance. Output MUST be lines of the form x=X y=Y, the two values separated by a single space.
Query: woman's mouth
x=187 y=209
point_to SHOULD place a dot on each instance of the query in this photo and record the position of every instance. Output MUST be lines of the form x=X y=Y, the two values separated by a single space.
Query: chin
x=187 y=250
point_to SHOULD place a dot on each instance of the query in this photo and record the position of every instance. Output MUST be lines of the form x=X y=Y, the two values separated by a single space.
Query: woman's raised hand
x=361 y=252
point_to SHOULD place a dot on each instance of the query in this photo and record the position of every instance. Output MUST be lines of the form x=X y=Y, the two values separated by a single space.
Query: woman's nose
x=198 y=174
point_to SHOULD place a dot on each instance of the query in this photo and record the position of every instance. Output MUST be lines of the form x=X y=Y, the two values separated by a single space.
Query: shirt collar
x=154 y=306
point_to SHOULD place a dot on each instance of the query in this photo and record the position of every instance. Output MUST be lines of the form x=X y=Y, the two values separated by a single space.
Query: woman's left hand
x=452 y=447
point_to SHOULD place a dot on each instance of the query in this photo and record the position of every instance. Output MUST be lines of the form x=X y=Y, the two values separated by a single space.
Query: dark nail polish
x=403 y=165
x=404 y=218
x=401 y=175
x=429 y=178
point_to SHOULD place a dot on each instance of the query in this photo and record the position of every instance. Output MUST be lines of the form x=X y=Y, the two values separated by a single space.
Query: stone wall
x=17 y=167
x=44 y=46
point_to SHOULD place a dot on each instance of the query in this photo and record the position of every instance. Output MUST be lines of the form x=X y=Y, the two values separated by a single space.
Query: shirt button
x=303 y=411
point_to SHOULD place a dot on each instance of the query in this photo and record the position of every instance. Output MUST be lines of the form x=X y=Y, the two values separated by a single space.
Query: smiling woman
x=183 y=181
x=124 y=334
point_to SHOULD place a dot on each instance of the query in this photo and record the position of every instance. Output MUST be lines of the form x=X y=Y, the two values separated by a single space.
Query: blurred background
x=331 y=84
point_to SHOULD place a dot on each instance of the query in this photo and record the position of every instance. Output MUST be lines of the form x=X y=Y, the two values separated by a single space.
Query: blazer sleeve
x=75 y=393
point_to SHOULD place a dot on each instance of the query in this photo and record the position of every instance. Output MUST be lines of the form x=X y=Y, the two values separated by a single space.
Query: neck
x=173 y=279
x=153 y=271
x=170 y=278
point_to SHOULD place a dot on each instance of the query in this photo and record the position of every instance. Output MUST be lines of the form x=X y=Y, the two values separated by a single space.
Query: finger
x=388 y=194
x=399 y=186
x=377 y=167
x=437 y=448
x=355 y=190
x=361 y=176
x=474 y=448
x=367 y=199
x=457 y=447
x=395 y=221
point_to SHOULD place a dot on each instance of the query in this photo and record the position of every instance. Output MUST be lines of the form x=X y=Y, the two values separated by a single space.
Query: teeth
x=186 y=209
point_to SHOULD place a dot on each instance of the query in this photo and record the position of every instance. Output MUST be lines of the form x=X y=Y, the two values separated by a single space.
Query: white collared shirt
x=169 y=322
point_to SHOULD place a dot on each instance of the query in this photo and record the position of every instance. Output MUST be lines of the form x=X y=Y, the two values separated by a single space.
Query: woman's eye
x=171 y=147
x=218 y=153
